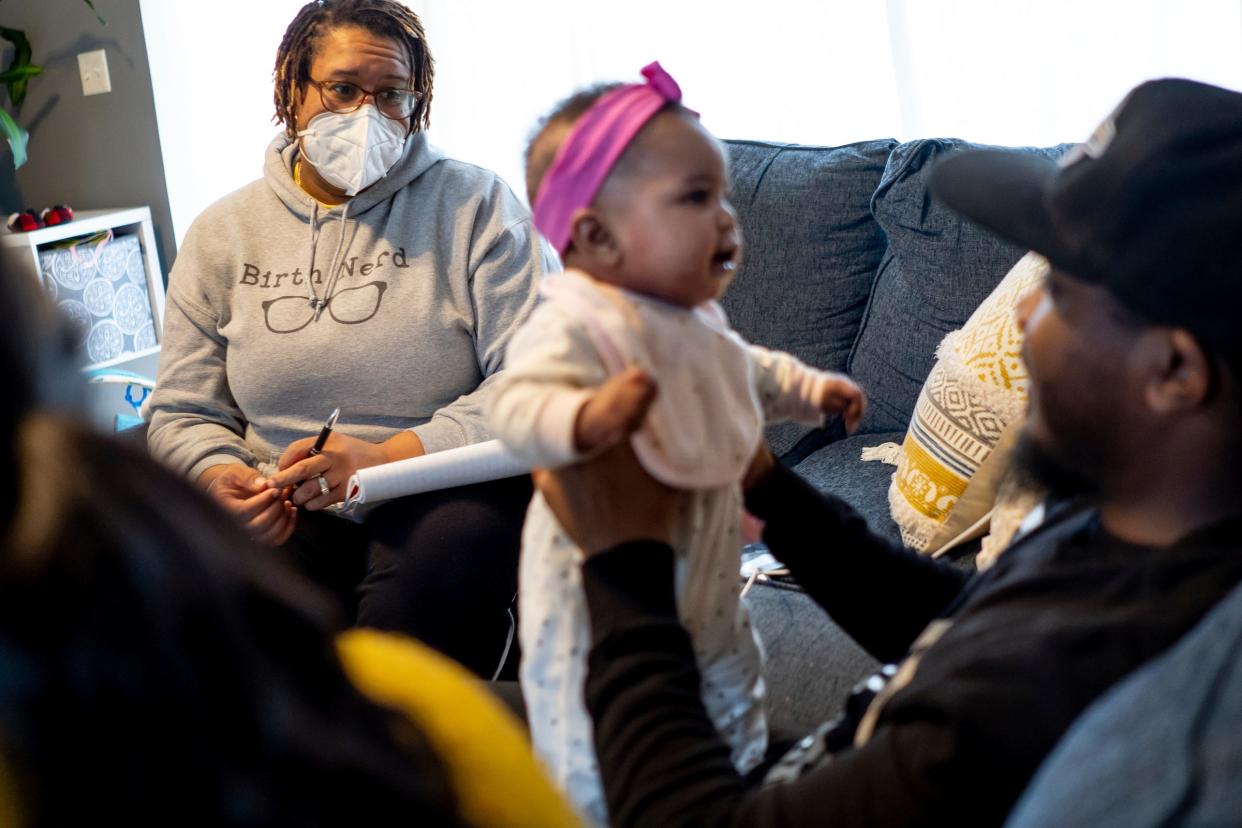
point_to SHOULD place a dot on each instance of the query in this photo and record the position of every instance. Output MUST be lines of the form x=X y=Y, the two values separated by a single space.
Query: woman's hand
x=342 y=455
x=264 y=512
x=609 y=500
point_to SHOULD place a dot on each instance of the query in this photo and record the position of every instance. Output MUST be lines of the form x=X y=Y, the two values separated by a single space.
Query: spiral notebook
x=463 y=466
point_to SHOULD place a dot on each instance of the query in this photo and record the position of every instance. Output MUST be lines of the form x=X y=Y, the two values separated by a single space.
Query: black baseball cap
x=1149 y=207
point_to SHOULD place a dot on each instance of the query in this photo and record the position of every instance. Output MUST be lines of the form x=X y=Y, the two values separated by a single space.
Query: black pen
x=325 y=431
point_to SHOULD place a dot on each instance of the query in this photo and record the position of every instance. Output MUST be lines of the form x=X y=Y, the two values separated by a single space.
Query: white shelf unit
x=100 y=291
x=21 y=253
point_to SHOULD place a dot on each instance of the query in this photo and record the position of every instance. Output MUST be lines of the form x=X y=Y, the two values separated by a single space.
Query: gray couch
x=850 y=266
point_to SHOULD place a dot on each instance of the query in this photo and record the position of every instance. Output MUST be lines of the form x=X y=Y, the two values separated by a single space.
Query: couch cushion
x=937 y=269
x=812 y=249
x=810 y=663
x=837 y=469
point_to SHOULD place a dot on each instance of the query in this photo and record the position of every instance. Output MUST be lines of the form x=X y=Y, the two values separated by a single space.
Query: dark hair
x=38 y=346
x=153 y=663
x=548 y=134
x=383 y=18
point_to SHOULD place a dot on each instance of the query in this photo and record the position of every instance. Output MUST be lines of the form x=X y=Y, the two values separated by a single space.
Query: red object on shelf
x=24 y=221
x=59 y=214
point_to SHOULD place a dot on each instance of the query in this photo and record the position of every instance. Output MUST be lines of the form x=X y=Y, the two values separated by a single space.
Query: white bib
x=706 y=422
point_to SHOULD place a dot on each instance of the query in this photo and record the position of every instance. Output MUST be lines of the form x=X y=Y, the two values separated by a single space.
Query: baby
x=633 y=193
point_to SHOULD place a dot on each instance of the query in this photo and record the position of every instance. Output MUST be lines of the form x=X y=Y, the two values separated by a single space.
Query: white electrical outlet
x=94 y=69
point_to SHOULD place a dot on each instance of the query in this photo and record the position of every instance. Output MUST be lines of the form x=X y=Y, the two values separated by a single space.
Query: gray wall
x=88 y=152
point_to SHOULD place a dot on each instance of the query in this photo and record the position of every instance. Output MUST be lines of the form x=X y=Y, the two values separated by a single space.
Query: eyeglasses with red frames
x=344 y=97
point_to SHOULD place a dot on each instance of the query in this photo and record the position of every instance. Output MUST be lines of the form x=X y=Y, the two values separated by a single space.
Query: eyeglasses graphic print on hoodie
x=349 y=306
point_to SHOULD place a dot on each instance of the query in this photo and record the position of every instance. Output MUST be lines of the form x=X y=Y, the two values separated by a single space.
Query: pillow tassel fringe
x=888 y=453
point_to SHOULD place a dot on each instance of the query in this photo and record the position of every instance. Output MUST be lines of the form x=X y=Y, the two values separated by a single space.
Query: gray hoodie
x=436 y=265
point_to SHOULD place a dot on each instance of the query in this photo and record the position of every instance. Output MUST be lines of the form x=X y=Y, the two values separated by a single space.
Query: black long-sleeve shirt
x=1017 y=653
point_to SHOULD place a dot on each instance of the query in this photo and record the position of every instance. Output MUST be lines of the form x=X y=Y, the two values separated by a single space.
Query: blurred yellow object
x=483 y=748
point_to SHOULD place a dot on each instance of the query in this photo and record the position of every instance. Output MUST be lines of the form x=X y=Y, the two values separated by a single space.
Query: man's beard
x=1035 y=466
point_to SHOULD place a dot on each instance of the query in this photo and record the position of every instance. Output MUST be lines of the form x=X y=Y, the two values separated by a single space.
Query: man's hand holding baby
x=616 y=409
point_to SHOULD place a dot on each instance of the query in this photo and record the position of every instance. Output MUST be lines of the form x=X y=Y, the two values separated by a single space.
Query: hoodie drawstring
x=333 y=273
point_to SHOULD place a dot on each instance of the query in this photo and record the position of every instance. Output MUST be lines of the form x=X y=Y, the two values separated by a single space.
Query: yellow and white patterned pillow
x=956 y=449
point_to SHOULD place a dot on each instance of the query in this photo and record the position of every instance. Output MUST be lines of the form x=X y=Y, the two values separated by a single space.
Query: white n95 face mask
x=353 y=151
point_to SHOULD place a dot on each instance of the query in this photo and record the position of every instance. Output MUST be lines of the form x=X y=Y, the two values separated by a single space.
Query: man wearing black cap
x=1134 y=348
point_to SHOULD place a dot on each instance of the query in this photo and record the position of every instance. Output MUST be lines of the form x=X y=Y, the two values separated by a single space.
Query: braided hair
x=382 y=18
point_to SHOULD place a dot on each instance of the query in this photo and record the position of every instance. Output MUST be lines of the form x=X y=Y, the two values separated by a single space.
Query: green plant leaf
x=21 y=45
x=16 y=136
x=21 y=61
x=15 y=78
x=20 y=73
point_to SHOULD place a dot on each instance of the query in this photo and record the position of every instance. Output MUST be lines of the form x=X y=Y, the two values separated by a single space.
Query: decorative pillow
x=955 y=453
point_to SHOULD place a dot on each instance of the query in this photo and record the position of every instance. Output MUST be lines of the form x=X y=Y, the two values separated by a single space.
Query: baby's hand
x=615 y=409
x=838 y=394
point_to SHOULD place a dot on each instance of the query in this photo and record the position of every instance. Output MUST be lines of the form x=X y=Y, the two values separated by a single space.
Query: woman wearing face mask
x=367 y=271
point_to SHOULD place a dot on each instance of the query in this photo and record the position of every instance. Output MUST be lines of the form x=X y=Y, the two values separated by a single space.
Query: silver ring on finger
x=324 y=488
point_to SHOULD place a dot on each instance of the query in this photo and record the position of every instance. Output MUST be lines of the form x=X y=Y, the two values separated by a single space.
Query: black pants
x=441 y=567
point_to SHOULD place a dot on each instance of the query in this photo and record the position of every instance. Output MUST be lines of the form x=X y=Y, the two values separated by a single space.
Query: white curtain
x=807 y=71
x=211 y=75
x=778 y=70
x=1024 y=72
x=1007 y=72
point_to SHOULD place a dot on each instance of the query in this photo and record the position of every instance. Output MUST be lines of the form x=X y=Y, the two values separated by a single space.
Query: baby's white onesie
x=714 y=391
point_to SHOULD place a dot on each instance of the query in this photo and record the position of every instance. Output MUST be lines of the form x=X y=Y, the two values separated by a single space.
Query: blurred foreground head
x=153 y=665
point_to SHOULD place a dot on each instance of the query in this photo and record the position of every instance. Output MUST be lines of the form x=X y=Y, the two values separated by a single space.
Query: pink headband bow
x=593 y=147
